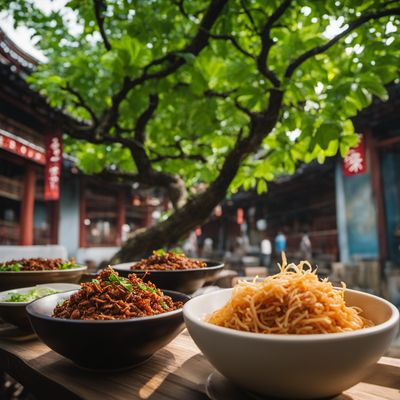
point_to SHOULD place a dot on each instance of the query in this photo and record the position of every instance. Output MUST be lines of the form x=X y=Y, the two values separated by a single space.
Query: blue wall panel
x=360 y=216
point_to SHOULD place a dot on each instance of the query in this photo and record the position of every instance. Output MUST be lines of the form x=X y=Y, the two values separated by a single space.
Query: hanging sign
x=355 y=162
x=21 y=147
x=52 y=171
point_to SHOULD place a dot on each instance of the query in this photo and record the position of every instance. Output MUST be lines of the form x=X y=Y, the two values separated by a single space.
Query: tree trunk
x=170 y=231
x=197 y=210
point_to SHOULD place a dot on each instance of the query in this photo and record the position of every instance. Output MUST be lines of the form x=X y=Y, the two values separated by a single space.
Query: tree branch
x=194 y=157
x=221 y=95
x=351 y=27
x=181 y=7
x=81 y=102
x=145 y=117
x=235 y=43
x=243 y=109
x=249 y=16
x=267 y=43
x=181 y=156
x=174 y=61
x=121 y=177
x=99 y=7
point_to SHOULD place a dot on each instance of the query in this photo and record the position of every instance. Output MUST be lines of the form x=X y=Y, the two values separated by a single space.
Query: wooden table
x=178 y=371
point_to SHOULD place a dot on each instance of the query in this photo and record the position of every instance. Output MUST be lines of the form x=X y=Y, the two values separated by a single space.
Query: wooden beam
x=388 y=142
x=27 y=207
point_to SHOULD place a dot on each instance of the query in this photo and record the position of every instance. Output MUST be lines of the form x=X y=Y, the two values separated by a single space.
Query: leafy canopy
x=204 y=105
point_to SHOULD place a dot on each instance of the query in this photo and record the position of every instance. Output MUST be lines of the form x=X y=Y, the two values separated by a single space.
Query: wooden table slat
x=179 y=371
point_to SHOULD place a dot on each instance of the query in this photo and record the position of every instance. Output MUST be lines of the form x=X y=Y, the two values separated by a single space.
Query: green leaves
x=197 y=118
x=326 y=133
x=131 y=52
x=374 y=85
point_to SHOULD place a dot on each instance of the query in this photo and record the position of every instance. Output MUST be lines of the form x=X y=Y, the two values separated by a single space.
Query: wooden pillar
x=82 y=214
x=120 y=216
x=148 y=210
x=377 y=191
x=54 y=220
x=27 y=207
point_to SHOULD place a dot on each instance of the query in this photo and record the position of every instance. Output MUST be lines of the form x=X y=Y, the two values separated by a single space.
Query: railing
x=9 y=233
x=10 y=188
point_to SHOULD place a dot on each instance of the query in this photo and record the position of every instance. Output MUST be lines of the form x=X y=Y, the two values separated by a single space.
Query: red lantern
x=239 y=216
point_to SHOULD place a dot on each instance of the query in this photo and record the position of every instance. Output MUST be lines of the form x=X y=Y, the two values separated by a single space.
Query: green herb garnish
x=33 y=294
x=96 y=281
x=160 y=252
x=163 y=304
x=146 y=288
x=11 y=267
x=126 y=283
x=67 y=265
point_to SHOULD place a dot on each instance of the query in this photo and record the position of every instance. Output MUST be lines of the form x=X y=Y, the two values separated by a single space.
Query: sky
x=21 y=35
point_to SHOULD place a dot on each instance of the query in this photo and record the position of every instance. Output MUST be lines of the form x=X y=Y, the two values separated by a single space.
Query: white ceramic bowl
x=293 y=366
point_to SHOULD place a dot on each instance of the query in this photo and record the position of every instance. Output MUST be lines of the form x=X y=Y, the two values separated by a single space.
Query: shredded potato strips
x=294 y=301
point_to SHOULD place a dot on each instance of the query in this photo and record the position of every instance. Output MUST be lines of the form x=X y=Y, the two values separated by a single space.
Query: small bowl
x=105 y=345
x=19 y=279
x=181 y=280
x=15 y=313
x=293 y=366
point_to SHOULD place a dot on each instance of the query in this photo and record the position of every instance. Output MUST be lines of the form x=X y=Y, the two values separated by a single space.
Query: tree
x=225 y=93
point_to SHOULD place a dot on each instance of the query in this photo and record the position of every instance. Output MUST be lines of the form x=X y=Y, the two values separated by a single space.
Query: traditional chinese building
x=44 y=199
x=349 y=208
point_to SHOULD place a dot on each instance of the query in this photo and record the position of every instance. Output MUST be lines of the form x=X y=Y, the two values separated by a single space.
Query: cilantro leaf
x=124 y=282
x=160 y=252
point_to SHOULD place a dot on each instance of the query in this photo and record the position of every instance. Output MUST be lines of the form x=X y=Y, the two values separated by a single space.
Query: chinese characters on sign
x=10 y=143
x=355 y=162
x=53 y=167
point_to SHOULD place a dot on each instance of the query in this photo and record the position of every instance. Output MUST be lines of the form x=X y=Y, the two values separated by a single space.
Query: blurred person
x=207 y=247
x=280 y=243
x=190 y=245
x=305 y=247
x=266 y=250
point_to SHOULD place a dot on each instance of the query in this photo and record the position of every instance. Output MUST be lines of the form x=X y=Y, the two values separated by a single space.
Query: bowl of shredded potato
x=292 y=334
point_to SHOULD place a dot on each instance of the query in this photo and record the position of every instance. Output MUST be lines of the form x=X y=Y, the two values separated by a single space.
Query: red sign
x=53 y=167
x=355 y=162
x=12 y=143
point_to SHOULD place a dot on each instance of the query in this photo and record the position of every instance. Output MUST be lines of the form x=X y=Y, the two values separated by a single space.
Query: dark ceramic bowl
x=20 y=279
x=15 y=312
x=104 y=345
x=185 y=281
